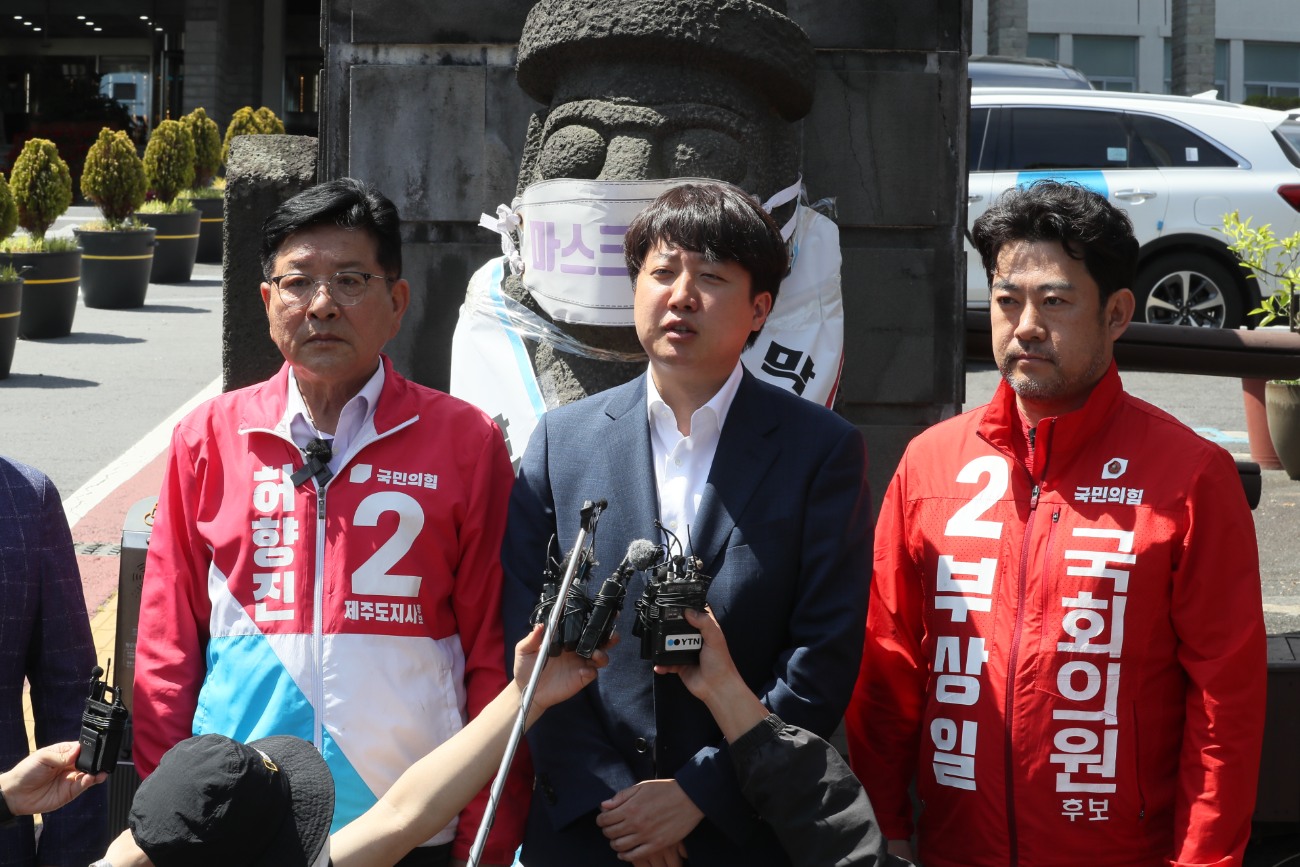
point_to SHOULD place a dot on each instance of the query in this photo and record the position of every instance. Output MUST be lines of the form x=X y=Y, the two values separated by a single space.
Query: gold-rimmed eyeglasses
x=346 y=288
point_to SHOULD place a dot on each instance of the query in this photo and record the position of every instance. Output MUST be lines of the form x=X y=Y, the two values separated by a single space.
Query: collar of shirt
x=357 y=413
x=681 y=463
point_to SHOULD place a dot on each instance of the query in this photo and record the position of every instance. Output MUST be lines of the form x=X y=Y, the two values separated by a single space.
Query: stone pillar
x=263 y=171
x=1009 y=27
x=423 y=102
x=420 y=99
x=1192 y=46
x=900 y=191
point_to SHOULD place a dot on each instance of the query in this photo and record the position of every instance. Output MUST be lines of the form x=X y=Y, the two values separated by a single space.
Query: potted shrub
x=242 y=122
x=169 y=169
x=42 y=190
x=11 y=283
x=207 y=194
x=1276 y=261
x=267 y=122
x=246 y=121
x=117 y=251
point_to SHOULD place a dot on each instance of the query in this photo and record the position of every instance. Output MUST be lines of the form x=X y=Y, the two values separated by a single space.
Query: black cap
x=214 y=801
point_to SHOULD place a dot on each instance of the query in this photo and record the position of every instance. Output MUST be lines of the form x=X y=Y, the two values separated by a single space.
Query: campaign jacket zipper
x=1013 y=841
x=318 y=572
x=318 y=587
x=318 y=620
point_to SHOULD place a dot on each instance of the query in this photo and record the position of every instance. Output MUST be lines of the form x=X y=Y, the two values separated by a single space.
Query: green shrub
x=169 y=160
x=207 y=146
x=267 y=122
x=1277 y=103
x=41 y=186
x=1263 y=253
x=202 y=193
x=8 y=273
x=8 y=210
x=113 y=179
x=242 y=122
x=246 y=121
x=29 y=244
x=105 y=226
x=175 y=206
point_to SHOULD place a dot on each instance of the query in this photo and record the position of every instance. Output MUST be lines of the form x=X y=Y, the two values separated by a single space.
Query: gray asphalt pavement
x=73 y=405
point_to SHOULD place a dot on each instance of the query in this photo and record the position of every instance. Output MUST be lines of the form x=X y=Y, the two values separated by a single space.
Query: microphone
x=641 y=555
x=318 y=453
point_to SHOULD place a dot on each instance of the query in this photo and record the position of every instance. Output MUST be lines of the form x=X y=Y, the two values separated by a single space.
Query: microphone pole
x=590 y=515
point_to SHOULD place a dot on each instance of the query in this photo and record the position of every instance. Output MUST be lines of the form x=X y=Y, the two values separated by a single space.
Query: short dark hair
x=1087 y=226
x=717 y=220
x=346 y=202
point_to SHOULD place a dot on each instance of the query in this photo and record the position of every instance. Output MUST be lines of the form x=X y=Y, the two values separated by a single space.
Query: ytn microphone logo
x=683 y=642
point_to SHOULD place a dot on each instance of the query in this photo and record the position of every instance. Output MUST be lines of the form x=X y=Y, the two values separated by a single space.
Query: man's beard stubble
x=1056 y=388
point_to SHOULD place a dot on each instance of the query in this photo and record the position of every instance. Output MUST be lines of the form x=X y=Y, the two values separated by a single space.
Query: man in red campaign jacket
x=325 y=558
x=1065 y=640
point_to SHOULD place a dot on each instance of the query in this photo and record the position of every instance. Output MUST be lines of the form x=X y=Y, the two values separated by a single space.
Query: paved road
x=74 y=405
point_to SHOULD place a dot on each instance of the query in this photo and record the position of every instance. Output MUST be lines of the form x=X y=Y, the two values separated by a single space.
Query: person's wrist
x=736 y=709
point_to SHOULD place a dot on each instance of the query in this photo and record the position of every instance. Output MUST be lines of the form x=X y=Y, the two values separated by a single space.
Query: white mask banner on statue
x=571 y=243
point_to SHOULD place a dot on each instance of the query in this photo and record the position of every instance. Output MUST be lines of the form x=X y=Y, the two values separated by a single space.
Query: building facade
x=1126 y=44
x=74 y=63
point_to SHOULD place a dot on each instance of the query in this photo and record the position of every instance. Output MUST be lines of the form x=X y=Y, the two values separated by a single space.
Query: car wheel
x=1188 y=289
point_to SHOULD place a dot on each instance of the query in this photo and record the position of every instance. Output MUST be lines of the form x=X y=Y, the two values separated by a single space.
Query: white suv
x=1176 y=165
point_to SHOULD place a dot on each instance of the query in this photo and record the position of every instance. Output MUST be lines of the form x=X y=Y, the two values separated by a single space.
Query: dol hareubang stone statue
x=637 y=90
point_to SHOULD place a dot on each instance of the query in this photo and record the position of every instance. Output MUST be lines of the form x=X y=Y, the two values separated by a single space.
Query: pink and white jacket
x=363 y=617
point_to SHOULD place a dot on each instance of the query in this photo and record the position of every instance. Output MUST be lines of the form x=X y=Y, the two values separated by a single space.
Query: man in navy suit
x=767 y=489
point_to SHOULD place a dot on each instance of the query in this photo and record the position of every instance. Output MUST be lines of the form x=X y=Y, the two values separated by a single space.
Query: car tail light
x=1290 y=192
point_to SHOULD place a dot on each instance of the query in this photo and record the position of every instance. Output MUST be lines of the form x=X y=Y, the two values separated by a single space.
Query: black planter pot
x=178 y=244
x=115 y=266
x=11 y=303
x=49 y=292
x=211 y=220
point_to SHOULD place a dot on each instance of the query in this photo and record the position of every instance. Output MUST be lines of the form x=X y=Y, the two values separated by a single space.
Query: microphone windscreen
x=642 y=554
x=320 y=449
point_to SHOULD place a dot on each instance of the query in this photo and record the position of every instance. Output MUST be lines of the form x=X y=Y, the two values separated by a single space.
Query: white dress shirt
x=358 y=413
x=682 y=463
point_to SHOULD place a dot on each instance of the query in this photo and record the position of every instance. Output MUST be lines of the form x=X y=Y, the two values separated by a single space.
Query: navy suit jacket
x=45 y=638
x=784 y=528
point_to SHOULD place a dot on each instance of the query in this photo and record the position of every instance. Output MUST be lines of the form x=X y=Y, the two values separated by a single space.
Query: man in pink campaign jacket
x=324 y=562
x=1065 y=638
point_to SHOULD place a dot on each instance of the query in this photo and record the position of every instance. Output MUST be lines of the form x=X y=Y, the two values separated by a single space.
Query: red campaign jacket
x=363 y=617
x=1066 y=651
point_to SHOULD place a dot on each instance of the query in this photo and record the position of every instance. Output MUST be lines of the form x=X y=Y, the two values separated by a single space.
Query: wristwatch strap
x=6 y=817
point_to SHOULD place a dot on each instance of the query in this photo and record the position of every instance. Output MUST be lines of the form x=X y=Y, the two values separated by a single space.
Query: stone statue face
x=653 y=89
x=638 y=120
